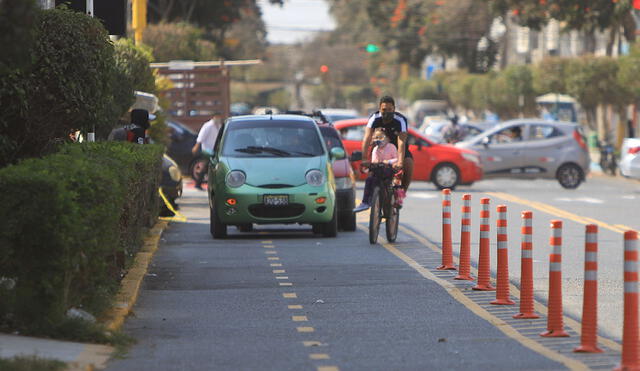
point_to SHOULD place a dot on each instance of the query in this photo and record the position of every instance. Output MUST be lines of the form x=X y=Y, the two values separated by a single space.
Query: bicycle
x=384 y=202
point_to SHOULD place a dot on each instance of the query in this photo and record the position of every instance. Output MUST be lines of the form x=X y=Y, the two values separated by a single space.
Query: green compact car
x=272 y=169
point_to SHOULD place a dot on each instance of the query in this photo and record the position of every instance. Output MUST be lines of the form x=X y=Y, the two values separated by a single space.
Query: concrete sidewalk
x=78 y=356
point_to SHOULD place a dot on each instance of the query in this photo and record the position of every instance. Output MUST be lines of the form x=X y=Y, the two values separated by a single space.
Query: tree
x=247 y=38
x=411 y=29
x=587 y=16
x=511 y=92
x=17 y=27
x=455 y=28
x=629 y=73
x=215 y=16
x=593 y=81
x=181 y=40
x=70 y=86
x=549 y=76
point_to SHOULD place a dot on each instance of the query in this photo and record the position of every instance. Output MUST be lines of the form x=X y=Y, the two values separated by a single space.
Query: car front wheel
x=217 y=228
x=331 y=229
x=445 y=176
x=569 y=176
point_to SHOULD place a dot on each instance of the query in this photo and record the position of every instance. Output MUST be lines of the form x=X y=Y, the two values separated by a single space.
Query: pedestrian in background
x=204 y=144
x=453 y=133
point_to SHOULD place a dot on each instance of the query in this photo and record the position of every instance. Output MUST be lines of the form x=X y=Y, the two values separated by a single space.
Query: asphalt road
x=282 y=298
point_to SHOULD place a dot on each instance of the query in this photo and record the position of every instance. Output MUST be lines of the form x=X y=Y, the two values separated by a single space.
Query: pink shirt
x=388 y=152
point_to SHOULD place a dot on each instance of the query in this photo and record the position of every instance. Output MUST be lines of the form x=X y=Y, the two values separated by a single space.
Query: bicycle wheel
x=393 y=217
x=374 y=215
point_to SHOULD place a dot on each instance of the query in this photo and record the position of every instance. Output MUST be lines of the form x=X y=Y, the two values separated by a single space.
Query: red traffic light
x=324 y=68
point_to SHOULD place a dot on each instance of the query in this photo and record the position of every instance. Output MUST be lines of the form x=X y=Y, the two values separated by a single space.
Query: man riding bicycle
x=395 y=126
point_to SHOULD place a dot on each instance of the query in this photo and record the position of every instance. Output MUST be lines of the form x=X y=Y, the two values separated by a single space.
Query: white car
x=630 y=158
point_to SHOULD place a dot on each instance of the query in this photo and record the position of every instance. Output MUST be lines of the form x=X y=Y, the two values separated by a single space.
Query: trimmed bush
x=69 y=221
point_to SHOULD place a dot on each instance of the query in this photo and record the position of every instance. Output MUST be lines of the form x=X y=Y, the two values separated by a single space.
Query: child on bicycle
x=383 y=152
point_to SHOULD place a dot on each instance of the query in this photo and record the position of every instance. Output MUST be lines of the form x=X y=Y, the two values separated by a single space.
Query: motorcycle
x=607 y=158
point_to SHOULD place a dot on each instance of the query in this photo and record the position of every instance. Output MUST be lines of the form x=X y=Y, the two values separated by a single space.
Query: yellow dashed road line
x=299 y=318
x=305 y=329
x=457 y=294
x=318 y=356
x=289 y=295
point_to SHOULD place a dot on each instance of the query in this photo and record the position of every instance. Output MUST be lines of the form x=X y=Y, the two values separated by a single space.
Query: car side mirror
x=356 y=156
x=337 y=153
x=485 y=142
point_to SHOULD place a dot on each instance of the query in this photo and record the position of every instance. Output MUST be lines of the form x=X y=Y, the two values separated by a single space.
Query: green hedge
x=69 y=222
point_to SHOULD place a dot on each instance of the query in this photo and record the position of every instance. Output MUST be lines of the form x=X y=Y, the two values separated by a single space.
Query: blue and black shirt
x=392 y=129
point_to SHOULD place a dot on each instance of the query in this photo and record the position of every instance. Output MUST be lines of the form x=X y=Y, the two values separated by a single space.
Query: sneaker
x=362 y=207
x=199 y=186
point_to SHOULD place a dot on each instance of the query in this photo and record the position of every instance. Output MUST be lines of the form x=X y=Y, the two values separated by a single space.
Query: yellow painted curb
x=130 y=284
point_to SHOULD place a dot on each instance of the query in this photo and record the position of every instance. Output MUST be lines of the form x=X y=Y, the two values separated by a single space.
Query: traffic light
x=372 y=48
x=324 y=68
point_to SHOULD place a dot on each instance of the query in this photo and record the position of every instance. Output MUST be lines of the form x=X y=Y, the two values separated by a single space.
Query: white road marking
x=422 y=195
x=588 y=200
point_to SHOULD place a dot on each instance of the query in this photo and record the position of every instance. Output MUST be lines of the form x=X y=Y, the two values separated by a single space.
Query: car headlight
x=314 y=178
x=472 y=158
x=343 y=183
x=235 y=178
x=174 y=173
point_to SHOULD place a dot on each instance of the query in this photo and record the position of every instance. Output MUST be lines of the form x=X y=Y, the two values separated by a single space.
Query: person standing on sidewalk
x=204 y=144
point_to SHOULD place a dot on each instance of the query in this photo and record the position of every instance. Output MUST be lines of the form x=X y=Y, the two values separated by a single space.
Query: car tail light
x=578 y=137
x=634 y=150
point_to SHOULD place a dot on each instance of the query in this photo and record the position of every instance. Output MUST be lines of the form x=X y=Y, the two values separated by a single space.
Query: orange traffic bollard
x=526 y=269
x=589 y=337
x=502 y=282
x=630 y=343
x=555 y=322
x=447 y=250
x=464 y=268
x=484 y=258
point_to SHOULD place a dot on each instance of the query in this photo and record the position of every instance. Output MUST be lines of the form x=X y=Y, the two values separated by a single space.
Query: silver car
x=527 y=149
x=630 y=158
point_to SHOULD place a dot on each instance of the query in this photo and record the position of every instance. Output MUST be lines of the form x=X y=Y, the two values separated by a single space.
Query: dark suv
x=344 y=177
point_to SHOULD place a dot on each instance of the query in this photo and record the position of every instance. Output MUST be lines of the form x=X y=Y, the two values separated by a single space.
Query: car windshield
x=272 y=139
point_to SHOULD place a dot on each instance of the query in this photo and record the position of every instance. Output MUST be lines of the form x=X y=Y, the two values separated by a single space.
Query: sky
x=296 y=20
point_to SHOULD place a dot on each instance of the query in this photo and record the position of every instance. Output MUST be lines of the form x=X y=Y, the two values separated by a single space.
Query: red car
x=443 y=164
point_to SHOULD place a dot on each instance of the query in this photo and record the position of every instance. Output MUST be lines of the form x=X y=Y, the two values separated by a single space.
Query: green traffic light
x=372 y=48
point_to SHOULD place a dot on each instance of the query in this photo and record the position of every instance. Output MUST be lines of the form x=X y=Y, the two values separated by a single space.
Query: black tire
x=216 y=227
x=570 y=176
x=375 y=214
x=197 y=165
x=245 y=227
x=316 y=228
x=445 y=175
x=330 y=229
x=348 y=222
x=393 y=218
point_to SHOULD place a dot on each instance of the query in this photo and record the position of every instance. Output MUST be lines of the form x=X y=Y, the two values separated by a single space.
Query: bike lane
x=284 y=299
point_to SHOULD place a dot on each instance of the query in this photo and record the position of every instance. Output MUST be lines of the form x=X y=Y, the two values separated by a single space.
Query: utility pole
x=138 y=19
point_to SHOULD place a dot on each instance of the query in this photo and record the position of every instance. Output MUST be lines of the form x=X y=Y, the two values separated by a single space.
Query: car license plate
x=275 y=200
